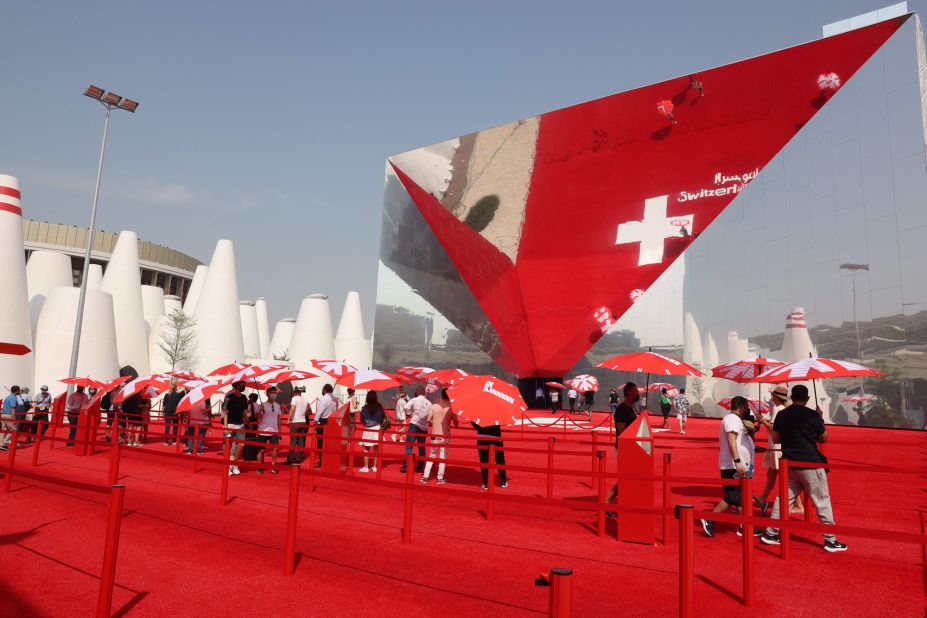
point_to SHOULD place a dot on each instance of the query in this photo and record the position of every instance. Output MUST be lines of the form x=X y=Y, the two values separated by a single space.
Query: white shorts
x=370 y=437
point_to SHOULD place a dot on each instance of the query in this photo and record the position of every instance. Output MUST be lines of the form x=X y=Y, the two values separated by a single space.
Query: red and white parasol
x=584 y=383
x=671 y=389
x=334 y=368
x=249 y=373
x=226 y=370
x=744 y=370
x=554 y=384
x=109 y=386
x=415 y=373
x=184 y=375
x=199 y=392
x=368 y=379
x=758 y=407
x=147 y=386
x=448 y=377
x=486 y=400
x=650 y=362
x=858 y=399
x=815 y=369
x=85 y=382
x=287 y=375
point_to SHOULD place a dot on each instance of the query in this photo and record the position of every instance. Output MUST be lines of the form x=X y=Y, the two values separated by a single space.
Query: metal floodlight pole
x=854 y=269
x=109 y=101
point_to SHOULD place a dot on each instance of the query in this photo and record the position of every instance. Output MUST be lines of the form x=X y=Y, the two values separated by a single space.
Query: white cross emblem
x=653 y=230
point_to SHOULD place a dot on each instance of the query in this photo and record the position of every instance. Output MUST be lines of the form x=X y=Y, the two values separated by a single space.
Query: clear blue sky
x=268 y=123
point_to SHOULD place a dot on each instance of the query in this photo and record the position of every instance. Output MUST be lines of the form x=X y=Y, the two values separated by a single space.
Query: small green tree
x=178 y=340
x=282 y=356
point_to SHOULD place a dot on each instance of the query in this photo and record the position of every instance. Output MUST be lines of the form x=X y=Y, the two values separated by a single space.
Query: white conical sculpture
x=263 y=324
x=797 y=345
x=94 y=277
x=55 y=332
x=218 y=320
x=46 y=270
x=692 y=342
x=171 y=304
x=196 y=289
x=122 y=281
x=312 y=339
x=152 y=306
x=15 y=324
x=283 y=335
x=249 y=329
x=350 y=343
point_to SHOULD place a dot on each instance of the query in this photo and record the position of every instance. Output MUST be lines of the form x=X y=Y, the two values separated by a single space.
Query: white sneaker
x=365 y=469
x=373 y=469
x=231 y=471
x=236 y=470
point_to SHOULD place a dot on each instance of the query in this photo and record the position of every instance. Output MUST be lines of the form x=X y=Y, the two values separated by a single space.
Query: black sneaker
x=611 y=514
x=770 y=539
x=834 y=546
x=402 y=470
x=756 y=531
x=708 y=527
x=484 y=487
x=504 y=485
x=259 y=471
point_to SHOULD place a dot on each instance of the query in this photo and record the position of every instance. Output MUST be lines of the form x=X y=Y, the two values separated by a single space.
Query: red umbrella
x=744 y=370
x=113 y=384
x=448 y=377
x=334 y=368
x=656 y=387
x=85 y=382
x=815 y=369
x=199 y=392
x=229 y=369
x=486 y=400
x=368 y=379
x=665 y=107
x=288 y=375
x=415 y=373
x=184 y=375
x=584 y=383
x=148 y=386
x=650 y=362
x=858 y=399
x=252 y=371
x=758 y=407
x=554 y=384
x=14 y=349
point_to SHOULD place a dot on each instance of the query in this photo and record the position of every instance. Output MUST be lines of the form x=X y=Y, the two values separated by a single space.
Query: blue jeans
x=171 y=427
x=191 y=431
x=413 y=435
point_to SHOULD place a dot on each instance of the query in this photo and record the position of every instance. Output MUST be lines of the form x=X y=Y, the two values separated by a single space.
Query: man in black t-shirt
x=171 y=422
x=624 y=415
x=799 y=430
x=233 y=418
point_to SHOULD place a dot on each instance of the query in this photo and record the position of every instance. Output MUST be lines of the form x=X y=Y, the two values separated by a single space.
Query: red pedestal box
x=635 y=456
x=336 y=436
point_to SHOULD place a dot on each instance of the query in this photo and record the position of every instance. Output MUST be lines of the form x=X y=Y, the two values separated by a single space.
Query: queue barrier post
x=561 y=593
x=667 y=495
x=94 y=425
x=378 y=461
x=746 y=509
x=352 y=448
x=685 y=515
x=115 y=455
x=595 y=460
x=37 y=441
x=784 y=508
x=600 y=455
x=181 y=431
x=110 y=552
x=407 y=516
x=310 y=462
x=289 y=561
x=10 y=461
x=224 y=486
x=491 y=486
x=550 y=466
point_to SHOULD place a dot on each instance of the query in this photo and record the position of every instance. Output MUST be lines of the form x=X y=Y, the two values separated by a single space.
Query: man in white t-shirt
x=571 y=395
x=735 y=458
x=417 y=411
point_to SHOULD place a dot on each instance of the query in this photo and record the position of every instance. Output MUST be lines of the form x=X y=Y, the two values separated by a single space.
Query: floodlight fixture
x=849 y=266
x=129 y=105
x=94 y=92
x=111 y=98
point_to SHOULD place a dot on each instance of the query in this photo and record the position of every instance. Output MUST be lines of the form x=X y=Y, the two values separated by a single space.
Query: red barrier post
x=684 y=514
x=310 y=461
x=10 y=461
x=595 y=458
x=53 y=427
x=407 y=517
x=667 y=495
x=92 y=426
x=352 y=452
x=746 y=509
x=36 y=444
x=289 y=561
x=491 y=487
x=181 y=430
x=115 y=455
x=600 y=455
x=378 y=461
x=550 y=467
x=110 y=551
x=784 y=508
x=561 y=593
x=224 y=487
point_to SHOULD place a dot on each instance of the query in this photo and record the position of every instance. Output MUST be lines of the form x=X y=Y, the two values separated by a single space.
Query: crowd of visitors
x=793 y=431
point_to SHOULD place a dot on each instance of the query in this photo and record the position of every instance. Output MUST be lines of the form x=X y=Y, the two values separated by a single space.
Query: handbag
x=386 y=423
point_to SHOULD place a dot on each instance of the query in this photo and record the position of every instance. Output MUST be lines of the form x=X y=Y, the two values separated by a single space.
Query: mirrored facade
x=777 y=209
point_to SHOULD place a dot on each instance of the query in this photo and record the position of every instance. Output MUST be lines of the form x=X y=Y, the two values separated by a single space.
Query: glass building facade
x=772 y=207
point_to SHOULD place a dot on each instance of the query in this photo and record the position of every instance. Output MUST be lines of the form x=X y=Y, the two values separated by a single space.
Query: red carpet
x=183 y=554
